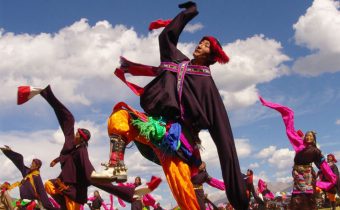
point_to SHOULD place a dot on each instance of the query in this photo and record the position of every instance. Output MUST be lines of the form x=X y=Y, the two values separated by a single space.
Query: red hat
x=333 y=157
x=84 y=133
x=216 y=50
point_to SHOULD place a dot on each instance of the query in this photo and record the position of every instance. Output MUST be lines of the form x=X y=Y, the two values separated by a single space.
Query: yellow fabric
x=53 y=190
x=176 y=171
x=29 y=177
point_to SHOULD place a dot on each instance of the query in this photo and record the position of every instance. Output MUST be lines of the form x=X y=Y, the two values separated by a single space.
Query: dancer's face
x=202 y=51
x=329 y=158
x=309 y=138
x=34 y=165
x=77 y=139
x=138 y=181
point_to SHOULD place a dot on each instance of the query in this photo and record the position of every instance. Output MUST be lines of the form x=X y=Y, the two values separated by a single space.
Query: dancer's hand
x=187 y=4
x=52 y=164
x=5 y=148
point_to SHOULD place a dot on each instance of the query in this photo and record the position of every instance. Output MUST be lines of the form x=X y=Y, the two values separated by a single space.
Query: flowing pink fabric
x=288 y=119
x=262 y=185
x=330 y=176
x=148 y=200
x=218 y=184
x=55 y=204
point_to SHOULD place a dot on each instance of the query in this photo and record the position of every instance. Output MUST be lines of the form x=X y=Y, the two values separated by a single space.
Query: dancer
x=31 y=186
x=306 y=153
x=334 y=190
x=139 y=201
x=249 y=177
x=200 y=177
x=70 y=188
x=184 y=92
x=96 y=201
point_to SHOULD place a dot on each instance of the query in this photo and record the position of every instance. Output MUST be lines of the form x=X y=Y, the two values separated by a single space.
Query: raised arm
x=168 y=39
x=65 y=118
x=16 y=158
x=288 y=119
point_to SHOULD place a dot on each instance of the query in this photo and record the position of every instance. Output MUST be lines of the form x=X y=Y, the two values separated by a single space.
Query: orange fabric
x=176 y=171
x=331 y=197
x=52 y=190
x=71 y=205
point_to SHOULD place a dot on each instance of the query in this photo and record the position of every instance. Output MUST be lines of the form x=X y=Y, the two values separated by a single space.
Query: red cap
x=216 y=50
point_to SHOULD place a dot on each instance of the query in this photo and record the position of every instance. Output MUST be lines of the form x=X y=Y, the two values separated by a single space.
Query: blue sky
x=287 y=51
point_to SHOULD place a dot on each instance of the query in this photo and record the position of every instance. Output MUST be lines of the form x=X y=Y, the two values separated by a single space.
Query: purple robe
x=202 y=104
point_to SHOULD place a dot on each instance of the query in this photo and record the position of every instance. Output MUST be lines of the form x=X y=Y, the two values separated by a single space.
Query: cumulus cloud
x=192 y=28
x=315 y=30
x=337 y=122
x=209 y=151
x=79 y=60
x=266 y=152
x=282 y=158
x=249 y=65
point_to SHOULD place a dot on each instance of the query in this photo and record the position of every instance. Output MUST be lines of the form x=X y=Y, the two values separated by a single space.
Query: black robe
x=202 y=103
x=26 y=189
x=76 y=167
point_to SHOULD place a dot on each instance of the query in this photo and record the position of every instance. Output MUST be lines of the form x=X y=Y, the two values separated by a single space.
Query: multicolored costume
x=31 y=186
x=186 y=94
x=303 y=195
x=177 y=172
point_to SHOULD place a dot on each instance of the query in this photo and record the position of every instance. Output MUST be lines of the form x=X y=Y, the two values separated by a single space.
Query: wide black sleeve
x=18 y=161
x=168 y=39
x=65 y=118
x=221 y=133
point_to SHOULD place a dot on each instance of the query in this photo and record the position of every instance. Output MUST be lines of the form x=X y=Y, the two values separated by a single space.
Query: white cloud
x=81 y=58
x=316 y=30
x=209 y=151
x=254 y=165
x=337 y=122
x=249 y=65
x=286 y=179
x=192 y=28
x=282 y=158
x=266 y=152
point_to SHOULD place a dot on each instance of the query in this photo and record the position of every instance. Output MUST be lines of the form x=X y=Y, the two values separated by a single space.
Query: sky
x=286 y=51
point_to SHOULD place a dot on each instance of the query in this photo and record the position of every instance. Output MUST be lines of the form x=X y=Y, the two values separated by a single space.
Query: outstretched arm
x=168 y=39
x=288 y=119
x=16 y=158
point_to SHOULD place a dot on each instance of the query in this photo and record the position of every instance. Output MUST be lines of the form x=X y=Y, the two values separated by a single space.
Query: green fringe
x=154 y=129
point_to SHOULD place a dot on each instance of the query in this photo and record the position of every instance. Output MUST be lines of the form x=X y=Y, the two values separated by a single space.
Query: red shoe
x=25 y=93
x=154 y=182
